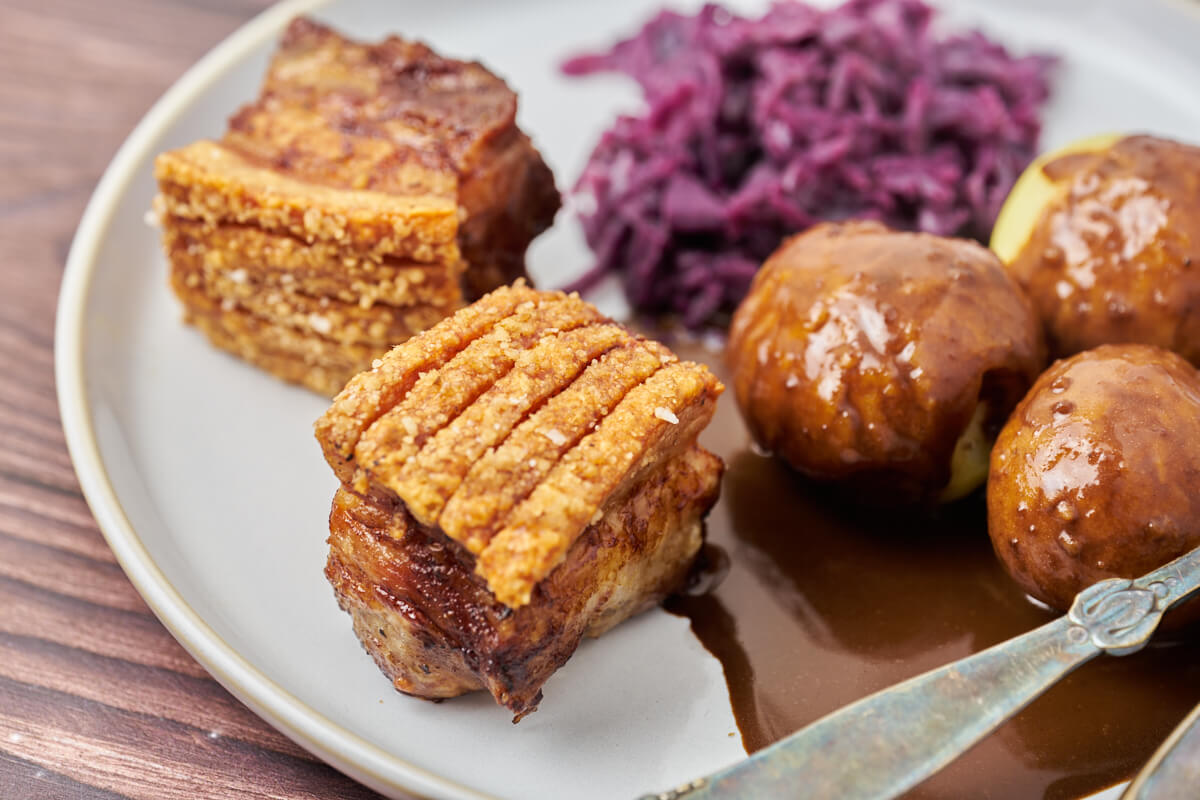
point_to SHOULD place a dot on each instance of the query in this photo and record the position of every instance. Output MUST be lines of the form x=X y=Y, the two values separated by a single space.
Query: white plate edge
x=335 y=745
x=268 y=700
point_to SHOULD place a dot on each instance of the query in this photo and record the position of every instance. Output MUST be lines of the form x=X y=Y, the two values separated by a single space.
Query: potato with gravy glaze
x=883 y=360
x=1104 y=236
x=1097 y=473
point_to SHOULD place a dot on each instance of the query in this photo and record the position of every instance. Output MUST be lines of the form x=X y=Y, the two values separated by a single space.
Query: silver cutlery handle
x=1173 y=772
x=888 y=742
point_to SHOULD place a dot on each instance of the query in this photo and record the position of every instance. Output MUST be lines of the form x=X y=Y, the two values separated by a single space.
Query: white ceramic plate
x=204 y=478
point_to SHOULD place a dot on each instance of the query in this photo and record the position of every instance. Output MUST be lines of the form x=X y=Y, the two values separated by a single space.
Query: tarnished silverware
x=1173 y=772
x=888 y=742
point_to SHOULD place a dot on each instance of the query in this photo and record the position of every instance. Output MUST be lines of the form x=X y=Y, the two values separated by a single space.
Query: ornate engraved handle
x=1119 y=615
x=885 y=744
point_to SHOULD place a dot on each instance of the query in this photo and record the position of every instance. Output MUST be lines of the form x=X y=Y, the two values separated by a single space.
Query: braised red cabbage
x=755 y=129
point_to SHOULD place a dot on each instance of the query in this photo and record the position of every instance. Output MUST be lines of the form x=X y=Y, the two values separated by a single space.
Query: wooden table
x=96 y=699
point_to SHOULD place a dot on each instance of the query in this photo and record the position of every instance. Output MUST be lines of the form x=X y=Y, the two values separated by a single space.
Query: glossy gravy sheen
x=823 y=602
x=1116 y=257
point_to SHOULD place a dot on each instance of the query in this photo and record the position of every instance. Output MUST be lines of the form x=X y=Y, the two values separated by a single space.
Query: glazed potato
x=1104 y=236
x=880 y=359
x=1096 y=475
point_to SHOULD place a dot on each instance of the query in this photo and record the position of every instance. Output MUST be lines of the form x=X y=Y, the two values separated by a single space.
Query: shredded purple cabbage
x=758 y=128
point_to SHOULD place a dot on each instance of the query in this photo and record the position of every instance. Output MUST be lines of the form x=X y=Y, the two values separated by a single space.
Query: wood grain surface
x=96 y=699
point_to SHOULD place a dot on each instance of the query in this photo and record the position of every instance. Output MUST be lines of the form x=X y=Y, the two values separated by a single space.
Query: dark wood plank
x=187 y=699
x=46 y=784
x=145 y=756
x=97 y=701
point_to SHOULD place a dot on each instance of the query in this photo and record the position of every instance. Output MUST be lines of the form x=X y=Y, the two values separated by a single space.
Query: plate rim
x=332 y=743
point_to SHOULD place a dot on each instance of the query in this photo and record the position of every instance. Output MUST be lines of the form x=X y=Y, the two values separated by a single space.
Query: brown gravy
x=824 y=602
x=1111 y=258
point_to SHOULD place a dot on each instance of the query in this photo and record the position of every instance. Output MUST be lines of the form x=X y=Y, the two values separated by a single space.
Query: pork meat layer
x=523 y=473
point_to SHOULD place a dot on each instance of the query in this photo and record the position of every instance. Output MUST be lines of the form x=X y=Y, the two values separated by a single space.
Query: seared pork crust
x=506 y=474
x=421 y=449
x=440 y=396
x=435 y=629
x=521 y=474
x=395 y=115
x=373 y=393
x=346 y=196
x=650 y=425
x=211 y=183
x=427 y=480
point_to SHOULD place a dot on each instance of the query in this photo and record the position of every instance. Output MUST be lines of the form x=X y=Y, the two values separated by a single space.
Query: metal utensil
x=1173 y=772
x=888 y=742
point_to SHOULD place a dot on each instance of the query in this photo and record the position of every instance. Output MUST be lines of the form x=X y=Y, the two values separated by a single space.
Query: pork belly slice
x=652 y=423
x=305 y=358
x=504 y=475
x=361 y=174
x=435 y=629
x=497 y=230
x=439 y=396
x=521 y=474
x=371 y=394
x=426 y=480
x=209 y=182
x=239 y=260
x=395 y=104
x=206 y=190
x=335 y=320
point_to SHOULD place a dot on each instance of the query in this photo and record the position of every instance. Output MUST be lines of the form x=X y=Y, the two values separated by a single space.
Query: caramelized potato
x=1105 y=238
x=1096 y=475
x=881 y=359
